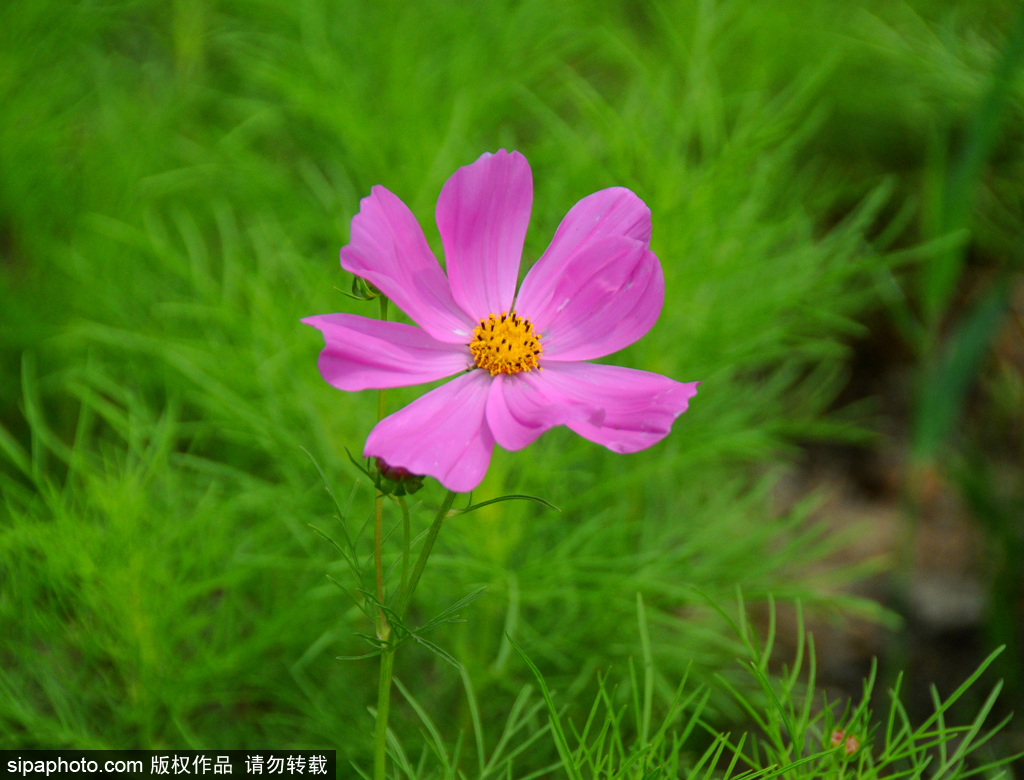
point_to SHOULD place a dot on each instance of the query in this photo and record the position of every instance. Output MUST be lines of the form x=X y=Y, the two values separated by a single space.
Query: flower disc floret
x=505 y=344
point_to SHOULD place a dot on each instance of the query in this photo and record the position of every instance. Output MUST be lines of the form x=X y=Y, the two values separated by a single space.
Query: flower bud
x=850 y=743
x=362 y=290
x=395 y=479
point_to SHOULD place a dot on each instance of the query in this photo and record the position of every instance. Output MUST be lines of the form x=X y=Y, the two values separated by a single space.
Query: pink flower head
x=850 y=743
x=521 y=358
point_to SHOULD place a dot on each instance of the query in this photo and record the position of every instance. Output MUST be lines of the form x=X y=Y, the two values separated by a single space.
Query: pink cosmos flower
x=521 y=358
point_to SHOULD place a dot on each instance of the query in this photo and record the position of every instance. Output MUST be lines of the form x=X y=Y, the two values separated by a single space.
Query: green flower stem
x=405 y=591
x=383 y=629
x=380 y=393
x=387 y=657
x=406 y=543
x=380 y=737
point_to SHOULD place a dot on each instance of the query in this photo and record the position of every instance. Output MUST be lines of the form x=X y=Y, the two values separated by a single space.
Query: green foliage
x=177 y=180
x=798 y=732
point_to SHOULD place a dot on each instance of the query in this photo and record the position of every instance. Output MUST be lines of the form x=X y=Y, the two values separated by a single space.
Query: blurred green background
x=837 y=193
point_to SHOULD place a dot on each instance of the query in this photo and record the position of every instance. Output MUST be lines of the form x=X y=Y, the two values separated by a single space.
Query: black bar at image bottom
x=61 y=764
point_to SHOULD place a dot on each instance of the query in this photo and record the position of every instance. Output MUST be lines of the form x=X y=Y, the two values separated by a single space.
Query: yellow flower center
x=505 y=344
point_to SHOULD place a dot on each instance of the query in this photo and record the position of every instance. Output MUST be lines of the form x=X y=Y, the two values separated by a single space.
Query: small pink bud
x=396 y=473
x=852 y=745
x=837 y=737
x=401 y=481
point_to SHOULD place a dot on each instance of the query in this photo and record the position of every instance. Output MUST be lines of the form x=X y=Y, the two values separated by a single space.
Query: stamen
x=506 y=344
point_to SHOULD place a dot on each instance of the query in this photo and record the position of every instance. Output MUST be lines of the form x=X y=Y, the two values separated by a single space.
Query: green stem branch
x=404 y=596
x=387 y=657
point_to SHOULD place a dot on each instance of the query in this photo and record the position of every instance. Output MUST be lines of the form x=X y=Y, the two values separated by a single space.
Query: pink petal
x=482 y=214
x=595 y=301
x=388 y=249
x=628 y=410
x=521 y=407
x=361 y=353
x=615 y=211
x=442 y=434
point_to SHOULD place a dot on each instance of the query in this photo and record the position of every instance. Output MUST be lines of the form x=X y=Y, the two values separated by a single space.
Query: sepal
x=362 y=290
